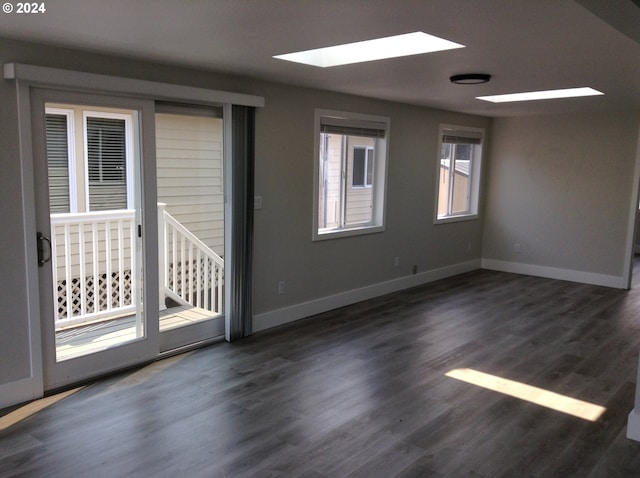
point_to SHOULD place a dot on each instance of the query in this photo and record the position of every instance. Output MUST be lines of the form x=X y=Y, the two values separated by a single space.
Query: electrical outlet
x=469 y=246
x=517 y=248
x=281 y=287
x=414 y=269
x=396 y=261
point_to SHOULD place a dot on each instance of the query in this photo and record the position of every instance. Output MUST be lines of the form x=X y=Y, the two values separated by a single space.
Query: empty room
x=331 y=238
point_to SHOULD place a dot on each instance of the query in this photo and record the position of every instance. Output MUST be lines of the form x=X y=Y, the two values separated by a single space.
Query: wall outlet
x=469 y=246
x=396 y=262
x=257 y=202
x=281 y=287
x=414 y=269
x=517 y=248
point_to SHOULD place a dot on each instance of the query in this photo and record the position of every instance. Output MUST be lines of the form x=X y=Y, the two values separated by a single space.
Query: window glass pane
x=369 y=167
x=358 y=204
x=106 y=163
x=58 y=162
x=461 y=183
x=359 y=158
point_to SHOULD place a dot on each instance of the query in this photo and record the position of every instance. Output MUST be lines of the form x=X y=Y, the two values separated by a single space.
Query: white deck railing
x=95 y=275
x=94 y=272
x=190 y=272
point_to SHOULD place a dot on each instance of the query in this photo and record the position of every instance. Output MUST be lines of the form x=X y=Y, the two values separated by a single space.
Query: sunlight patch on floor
x=32 y=408
x=539 y=396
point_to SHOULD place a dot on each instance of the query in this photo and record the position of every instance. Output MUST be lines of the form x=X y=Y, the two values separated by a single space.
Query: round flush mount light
x=470 y=79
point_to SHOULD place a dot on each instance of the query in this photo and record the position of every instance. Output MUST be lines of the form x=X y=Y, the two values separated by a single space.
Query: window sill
x=323 y=235
x=460 y=218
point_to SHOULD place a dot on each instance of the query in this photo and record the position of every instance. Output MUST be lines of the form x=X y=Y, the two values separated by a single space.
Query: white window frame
x=128 y=127
x=355 y=120
x=71 y=151
x=474 y=174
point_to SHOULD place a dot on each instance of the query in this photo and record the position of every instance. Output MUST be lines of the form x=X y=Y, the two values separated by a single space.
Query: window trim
x=474 y=172
x=381 y=158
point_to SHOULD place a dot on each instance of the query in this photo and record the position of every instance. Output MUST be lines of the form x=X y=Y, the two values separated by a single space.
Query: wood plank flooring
x=362 y=392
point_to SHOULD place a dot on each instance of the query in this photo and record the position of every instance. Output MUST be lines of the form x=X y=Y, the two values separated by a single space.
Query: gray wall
x=561 y=186
x=284 y=168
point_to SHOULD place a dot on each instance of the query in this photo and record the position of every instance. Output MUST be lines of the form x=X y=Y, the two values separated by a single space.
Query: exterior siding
x=190 y=179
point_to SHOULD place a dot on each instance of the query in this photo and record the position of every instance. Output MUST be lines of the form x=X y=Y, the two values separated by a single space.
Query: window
x=106 y=163
x=97 y=179
x=459 y=171
x=362 y=167
x=350 y=175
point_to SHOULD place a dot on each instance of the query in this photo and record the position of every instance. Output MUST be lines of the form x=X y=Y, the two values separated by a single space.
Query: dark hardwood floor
x=362 y=392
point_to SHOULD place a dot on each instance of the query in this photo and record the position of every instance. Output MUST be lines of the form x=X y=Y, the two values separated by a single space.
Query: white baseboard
x=20 y=391
x=306 y=309
x=617 y=282
x=633 y=426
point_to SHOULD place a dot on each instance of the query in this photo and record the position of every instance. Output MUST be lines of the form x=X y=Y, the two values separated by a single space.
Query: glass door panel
x=95 y=246
x=89 y=213
x=189 y=164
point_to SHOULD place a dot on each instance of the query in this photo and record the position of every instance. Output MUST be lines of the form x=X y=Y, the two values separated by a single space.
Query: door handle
x=42 y=260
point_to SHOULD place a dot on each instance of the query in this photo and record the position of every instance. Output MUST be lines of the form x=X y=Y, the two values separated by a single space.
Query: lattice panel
x=73 y=308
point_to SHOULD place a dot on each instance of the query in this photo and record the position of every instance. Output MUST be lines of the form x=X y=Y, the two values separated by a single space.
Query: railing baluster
x=54 y=267
x=83 y=275
x=121 y=264
x=107 y=248
x=183 y=279
x=219 y=280
x=133 y=258
x=96 y=265
x=199 y=289
x=190 y=272
x=206 y=282
x=174 y=260
x=67 y=271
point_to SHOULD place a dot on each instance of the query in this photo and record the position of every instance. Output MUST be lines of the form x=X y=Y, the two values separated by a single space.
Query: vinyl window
x=351 y=156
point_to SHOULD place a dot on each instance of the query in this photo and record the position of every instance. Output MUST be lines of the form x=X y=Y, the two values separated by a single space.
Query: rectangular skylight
x=541 y=95
x=380 y=48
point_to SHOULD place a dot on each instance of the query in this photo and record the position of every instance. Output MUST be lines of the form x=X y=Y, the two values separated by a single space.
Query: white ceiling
x=523 y=44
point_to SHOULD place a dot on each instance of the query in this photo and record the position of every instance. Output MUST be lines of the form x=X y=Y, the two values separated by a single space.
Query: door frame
x=26 y=77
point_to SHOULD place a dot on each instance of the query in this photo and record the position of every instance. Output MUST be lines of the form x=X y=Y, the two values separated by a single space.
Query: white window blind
x=369 y=129
x=107 y=163
x=461 y=137
x=58 y=162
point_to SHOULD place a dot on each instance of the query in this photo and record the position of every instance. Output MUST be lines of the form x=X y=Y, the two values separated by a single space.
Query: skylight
x=542 y=95
x=380 y=48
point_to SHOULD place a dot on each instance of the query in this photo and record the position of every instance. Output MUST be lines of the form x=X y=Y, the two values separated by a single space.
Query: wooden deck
x=78 y=341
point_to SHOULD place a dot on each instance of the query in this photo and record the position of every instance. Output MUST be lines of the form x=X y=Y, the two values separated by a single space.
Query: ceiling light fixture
x=542 y=95
x=470 y=79
x=378 y=49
